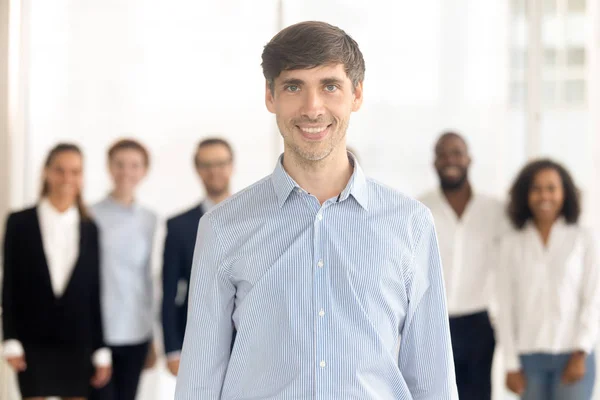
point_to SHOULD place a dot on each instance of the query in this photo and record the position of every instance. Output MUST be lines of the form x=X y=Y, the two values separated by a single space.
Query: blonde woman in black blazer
x=51 y=308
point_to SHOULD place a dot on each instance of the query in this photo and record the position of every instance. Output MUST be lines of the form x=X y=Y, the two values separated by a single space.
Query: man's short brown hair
x=212 y=141
x=311 y=44
x=129 y=144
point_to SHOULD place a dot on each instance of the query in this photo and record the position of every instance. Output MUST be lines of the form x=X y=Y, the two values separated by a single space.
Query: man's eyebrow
x=331 y=80
x=292 y=81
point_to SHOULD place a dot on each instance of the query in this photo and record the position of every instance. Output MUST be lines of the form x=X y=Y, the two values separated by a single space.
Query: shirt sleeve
x=102 y=357
x=12 y=348
x=173 y=355
x=425 y=357
x=506 y=321
x=207 y=343
x=149 y=276
x=170 y=278
x=9 y=329
x=95 y=306
x=589 y=312
x=502 y=228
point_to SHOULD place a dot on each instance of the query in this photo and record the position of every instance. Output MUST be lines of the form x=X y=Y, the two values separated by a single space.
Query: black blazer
x=176 y=271
x=32 y=313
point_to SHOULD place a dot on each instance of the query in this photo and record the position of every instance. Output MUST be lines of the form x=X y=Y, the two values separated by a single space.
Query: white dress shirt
x=60 y=239
x=468 y=246
x=549 y=296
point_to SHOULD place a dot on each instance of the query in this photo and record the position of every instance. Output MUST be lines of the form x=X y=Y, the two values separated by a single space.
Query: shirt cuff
x=102 y=357
x=512 y=363
x=12 y=348
x=585 y=344
x=174 y=355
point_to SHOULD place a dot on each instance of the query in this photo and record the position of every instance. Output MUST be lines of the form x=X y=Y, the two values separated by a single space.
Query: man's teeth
x=314 y=130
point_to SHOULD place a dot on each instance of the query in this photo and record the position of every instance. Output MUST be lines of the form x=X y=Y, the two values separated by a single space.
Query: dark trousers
x=128 y=362
x=473 y=346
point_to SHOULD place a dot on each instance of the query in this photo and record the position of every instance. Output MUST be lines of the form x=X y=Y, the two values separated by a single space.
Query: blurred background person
x=214 y=164
x=549 y=289
x=127 y=232
x=468 y=225
x=51 y=304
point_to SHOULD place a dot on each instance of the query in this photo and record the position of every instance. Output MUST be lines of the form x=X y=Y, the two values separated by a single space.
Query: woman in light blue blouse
x=126 y=236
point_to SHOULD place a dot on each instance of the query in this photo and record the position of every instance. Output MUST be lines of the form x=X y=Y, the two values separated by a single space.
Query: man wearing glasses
x=214 y=164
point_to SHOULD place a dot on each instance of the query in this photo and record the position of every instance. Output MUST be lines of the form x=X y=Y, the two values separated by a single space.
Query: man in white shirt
x=468 y=226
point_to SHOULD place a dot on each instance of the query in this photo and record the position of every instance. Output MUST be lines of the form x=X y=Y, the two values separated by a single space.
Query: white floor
x=157 y=384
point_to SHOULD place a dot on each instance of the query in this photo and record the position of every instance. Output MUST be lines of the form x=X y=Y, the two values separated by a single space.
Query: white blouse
x=549 y=296
x=60 y=237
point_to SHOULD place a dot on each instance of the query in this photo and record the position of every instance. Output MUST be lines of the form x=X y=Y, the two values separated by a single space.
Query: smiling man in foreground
x=332 y=280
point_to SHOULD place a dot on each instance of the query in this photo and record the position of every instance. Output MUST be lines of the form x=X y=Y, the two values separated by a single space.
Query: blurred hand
x=575 y=369
x=516 y=382
x=173 y=366
x=17 y=363
x=101 y=377
x=151 y=357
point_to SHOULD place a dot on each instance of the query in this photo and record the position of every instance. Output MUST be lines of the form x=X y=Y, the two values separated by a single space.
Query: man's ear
x=269 y=98
x=358 y=97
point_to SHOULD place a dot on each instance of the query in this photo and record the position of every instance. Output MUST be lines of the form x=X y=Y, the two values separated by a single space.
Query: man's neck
x=459 y=198
x=122 y=197
x=323 y=179
x=544 y=228
x=216 y=199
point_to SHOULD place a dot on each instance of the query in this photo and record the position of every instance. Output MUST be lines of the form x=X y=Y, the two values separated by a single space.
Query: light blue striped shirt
x=340 y=301
x=126 y=238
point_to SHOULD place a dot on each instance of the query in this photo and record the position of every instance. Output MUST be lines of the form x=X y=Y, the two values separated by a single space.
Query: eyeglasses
x=216 y=164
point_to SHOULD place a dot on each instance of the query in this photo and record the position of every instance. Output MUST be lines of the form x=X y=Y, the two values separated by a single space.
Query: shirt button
x=321 y=313
x=320 y=216
x=320 y=264
x=322 y=364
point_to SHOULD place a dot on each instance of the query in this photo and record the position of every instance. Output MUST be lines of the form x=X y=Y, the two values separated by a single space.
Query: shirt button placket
x=320 y=295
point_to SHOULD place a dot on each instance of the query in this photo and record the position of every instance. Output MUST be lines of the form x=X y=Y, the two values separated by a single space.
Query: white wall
x=430 y=66
x=170 y=75
x=166 y=74
x=4 y=145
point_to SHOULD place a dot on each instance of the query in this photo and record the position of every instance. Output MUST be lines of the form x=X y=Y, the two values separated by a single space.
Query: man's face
x=215 y=166
x=452 y=162
x=127 y=168
x=313 y=108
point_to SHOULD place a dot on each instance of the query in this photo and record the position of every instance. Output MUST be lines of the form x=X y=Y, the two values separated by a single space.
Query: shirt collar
x=134 y=206
x=559 y=223
x=356 y=187
x=442 y=197
x=69 y=215
x=207 y=204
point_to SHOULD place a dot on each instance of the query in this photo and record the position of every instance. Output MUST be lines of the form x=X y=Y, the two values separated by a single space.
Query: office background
x=518 y=78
